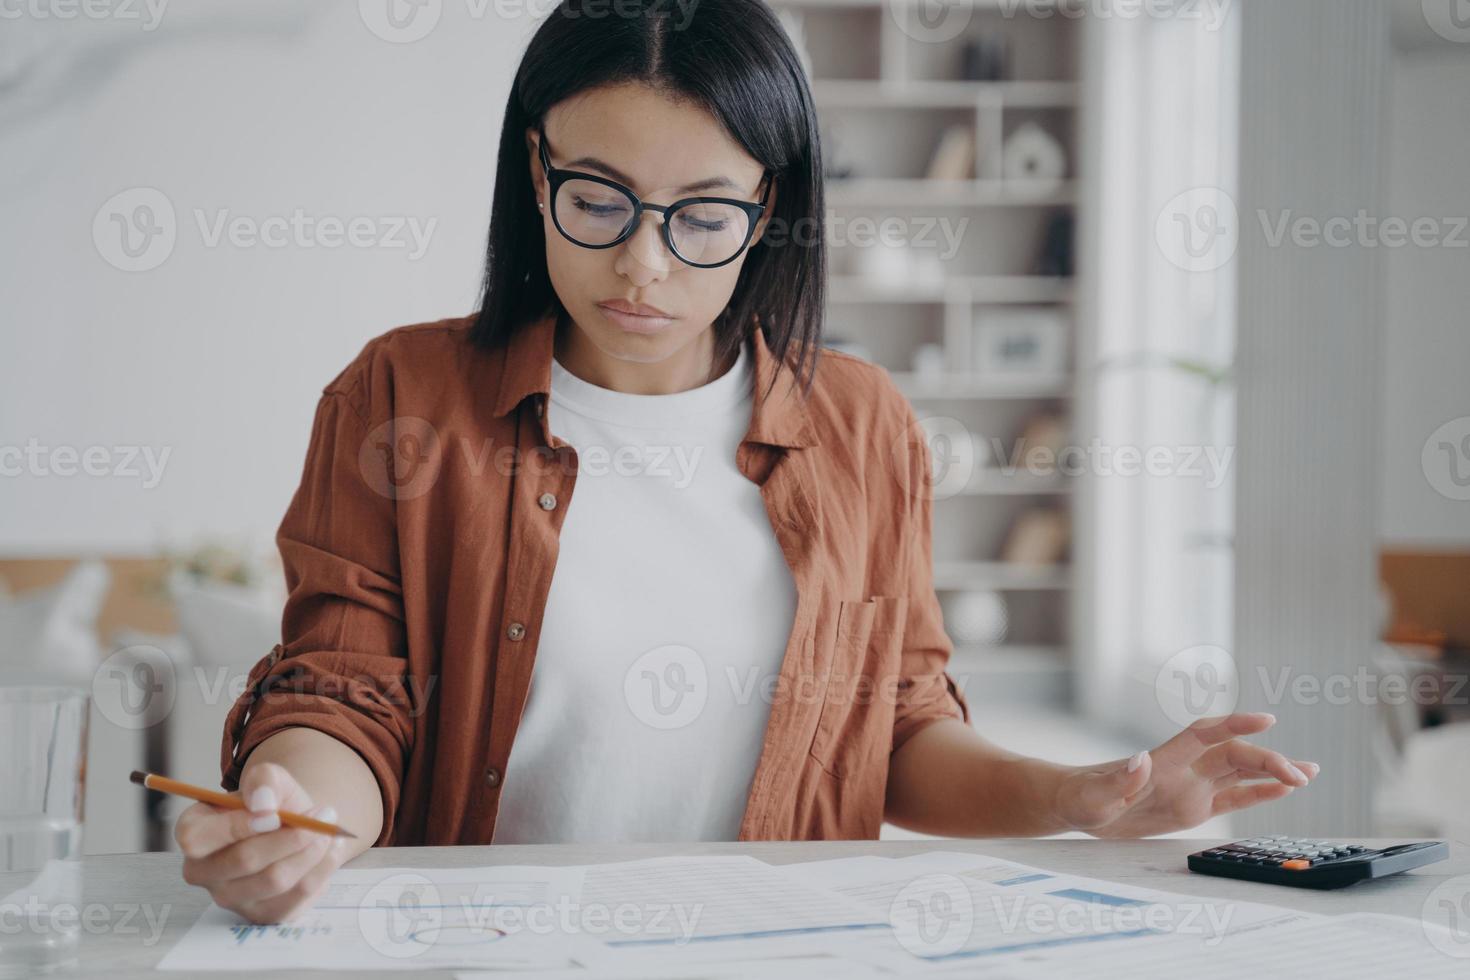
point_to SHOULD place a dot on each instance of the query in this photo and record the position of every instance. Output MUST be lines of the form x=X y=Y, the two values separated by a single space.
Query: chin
x=637 y=348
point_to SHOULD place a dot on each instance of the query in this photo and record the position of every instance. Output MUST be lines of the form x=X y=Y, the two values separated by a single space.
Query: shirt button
x=540 y=408
x=547 y=501
x=492 y=776
x=516 y=631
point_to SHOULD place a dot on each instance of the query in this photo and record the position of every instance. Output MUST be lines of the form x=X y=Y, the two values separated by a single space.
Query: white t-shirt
x=665 y=626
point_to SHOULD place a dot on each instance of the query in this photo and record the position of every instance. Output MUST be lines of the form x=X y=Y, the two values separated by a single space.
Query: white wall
x=1426 y=343
x=218 y=355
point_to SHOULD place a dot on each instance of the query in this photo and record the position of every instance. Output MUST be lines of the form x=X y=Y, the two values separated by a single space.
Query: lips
x=633 y=322
x=634 y=309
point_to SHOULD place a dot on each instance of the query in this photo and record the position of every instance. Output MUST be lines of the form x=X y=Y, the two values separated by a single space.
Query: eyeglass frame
x=556 y=176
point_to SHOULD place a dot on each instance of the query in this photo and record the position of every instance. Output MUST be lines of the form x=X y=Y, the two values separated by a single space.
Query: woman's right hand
x=249 y=863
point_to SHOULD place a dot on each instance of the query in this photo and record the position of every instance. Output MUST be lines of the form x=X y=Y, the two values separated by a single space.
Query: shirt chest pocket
x=855 y=728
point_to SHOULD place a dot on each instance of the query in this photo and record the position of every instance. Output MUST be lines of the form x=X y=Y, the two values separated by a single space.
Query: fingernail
x=1297 y=773
x=327 y=814
x=1316 y=769
x=1136 y=761
x=266 y=823
x=263 y=798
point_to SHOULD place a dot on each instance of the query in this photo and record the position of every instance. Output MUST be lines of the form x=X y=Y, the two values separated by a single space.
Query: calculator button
x=1296 y=864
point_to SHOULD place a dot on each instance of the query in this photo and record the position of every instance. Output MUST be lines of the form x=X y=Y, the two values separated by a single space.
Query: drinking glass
x=43 y=749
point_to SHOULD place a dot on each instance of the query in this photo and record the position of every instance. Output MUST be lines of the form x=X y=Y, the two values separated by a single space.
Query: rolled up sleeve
x=926 y=692
x=341 y=667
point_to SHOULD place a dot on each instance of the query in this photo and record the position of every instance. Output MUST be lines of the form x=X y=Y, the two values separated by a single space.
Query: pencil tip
x=344 y=832
x=138 y=777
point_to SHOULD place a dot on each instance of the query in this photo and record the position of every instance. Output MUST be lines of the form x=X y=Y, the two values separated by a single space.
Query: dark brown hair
x=729 y=57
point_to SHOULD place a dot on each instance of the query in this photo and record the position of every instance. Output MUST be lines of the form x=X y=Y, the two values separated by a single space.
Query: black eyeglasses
x=595 y=212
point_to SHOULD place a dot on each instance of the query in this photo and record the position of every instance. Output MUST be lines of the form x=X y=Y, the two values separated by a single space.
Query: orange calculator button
x=1296 y=864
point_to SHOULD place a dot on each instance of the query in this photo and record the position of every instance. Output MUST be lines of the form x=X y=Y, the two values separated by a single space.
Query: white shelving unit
x=886 y=87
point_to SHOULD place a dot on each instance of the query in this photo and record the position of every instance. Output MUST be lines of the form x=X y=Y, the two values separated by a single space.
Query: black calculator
x=1312 y=863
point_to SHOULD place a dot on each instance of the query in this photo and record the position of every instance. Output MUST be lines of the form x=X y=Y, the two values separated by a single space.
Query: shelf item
x=975 y=618
x=1020 y=342
x=1058 y=253
x=954 y=156
x=1040 y=537
x=1032 y=154
x=985 y=58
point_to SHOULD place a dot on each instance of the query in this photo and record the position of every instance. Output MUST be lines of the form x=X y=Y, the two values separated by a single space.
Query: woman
x=734 y=630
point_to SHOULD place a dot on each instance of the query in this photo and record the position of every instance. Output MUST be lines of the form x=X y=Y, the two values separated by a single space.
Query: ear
x=533 y=150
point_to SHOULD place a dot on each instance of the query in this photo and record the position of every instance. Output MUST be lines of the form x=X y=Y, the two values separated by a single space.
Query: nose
x=642 y=257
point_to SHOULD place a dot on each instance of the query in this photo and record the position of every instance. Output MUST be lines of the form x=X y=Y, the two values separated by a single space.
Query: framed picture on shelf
x=1020 y=342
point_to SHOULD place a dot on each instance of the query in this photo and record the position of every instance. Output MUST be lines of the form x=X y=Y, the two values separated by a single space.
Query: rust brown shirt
x=419 y=550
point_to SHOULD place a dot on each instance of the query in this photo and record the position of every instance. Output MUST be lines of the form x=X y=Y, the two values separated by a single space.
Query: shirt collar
x=778 y=415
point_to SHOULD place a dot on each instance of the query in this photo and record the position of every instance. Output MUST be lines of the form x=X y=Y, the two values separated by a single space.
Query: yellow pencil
x=215 y=798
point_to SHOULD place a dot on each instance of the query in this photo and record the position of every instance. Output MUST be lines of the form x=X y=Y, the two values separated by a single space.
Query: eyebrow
x=608 y=170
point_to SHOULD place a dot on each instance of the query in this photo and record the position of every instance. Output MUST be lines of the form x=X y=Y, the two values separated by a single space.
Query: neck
x=691 y=366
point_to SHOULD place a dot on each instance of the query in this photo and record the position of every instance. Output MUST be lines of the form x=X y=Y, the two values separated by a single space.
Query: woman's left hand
x=1202 y=772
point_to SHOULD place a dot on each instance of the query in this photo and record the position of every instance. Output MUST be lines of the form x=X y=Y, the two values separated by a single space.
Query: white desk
x=114 y=949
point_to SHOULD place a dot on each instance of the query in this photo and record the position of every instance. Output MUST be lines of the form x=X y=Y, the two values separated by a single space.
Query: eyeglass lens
x=703 y=232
